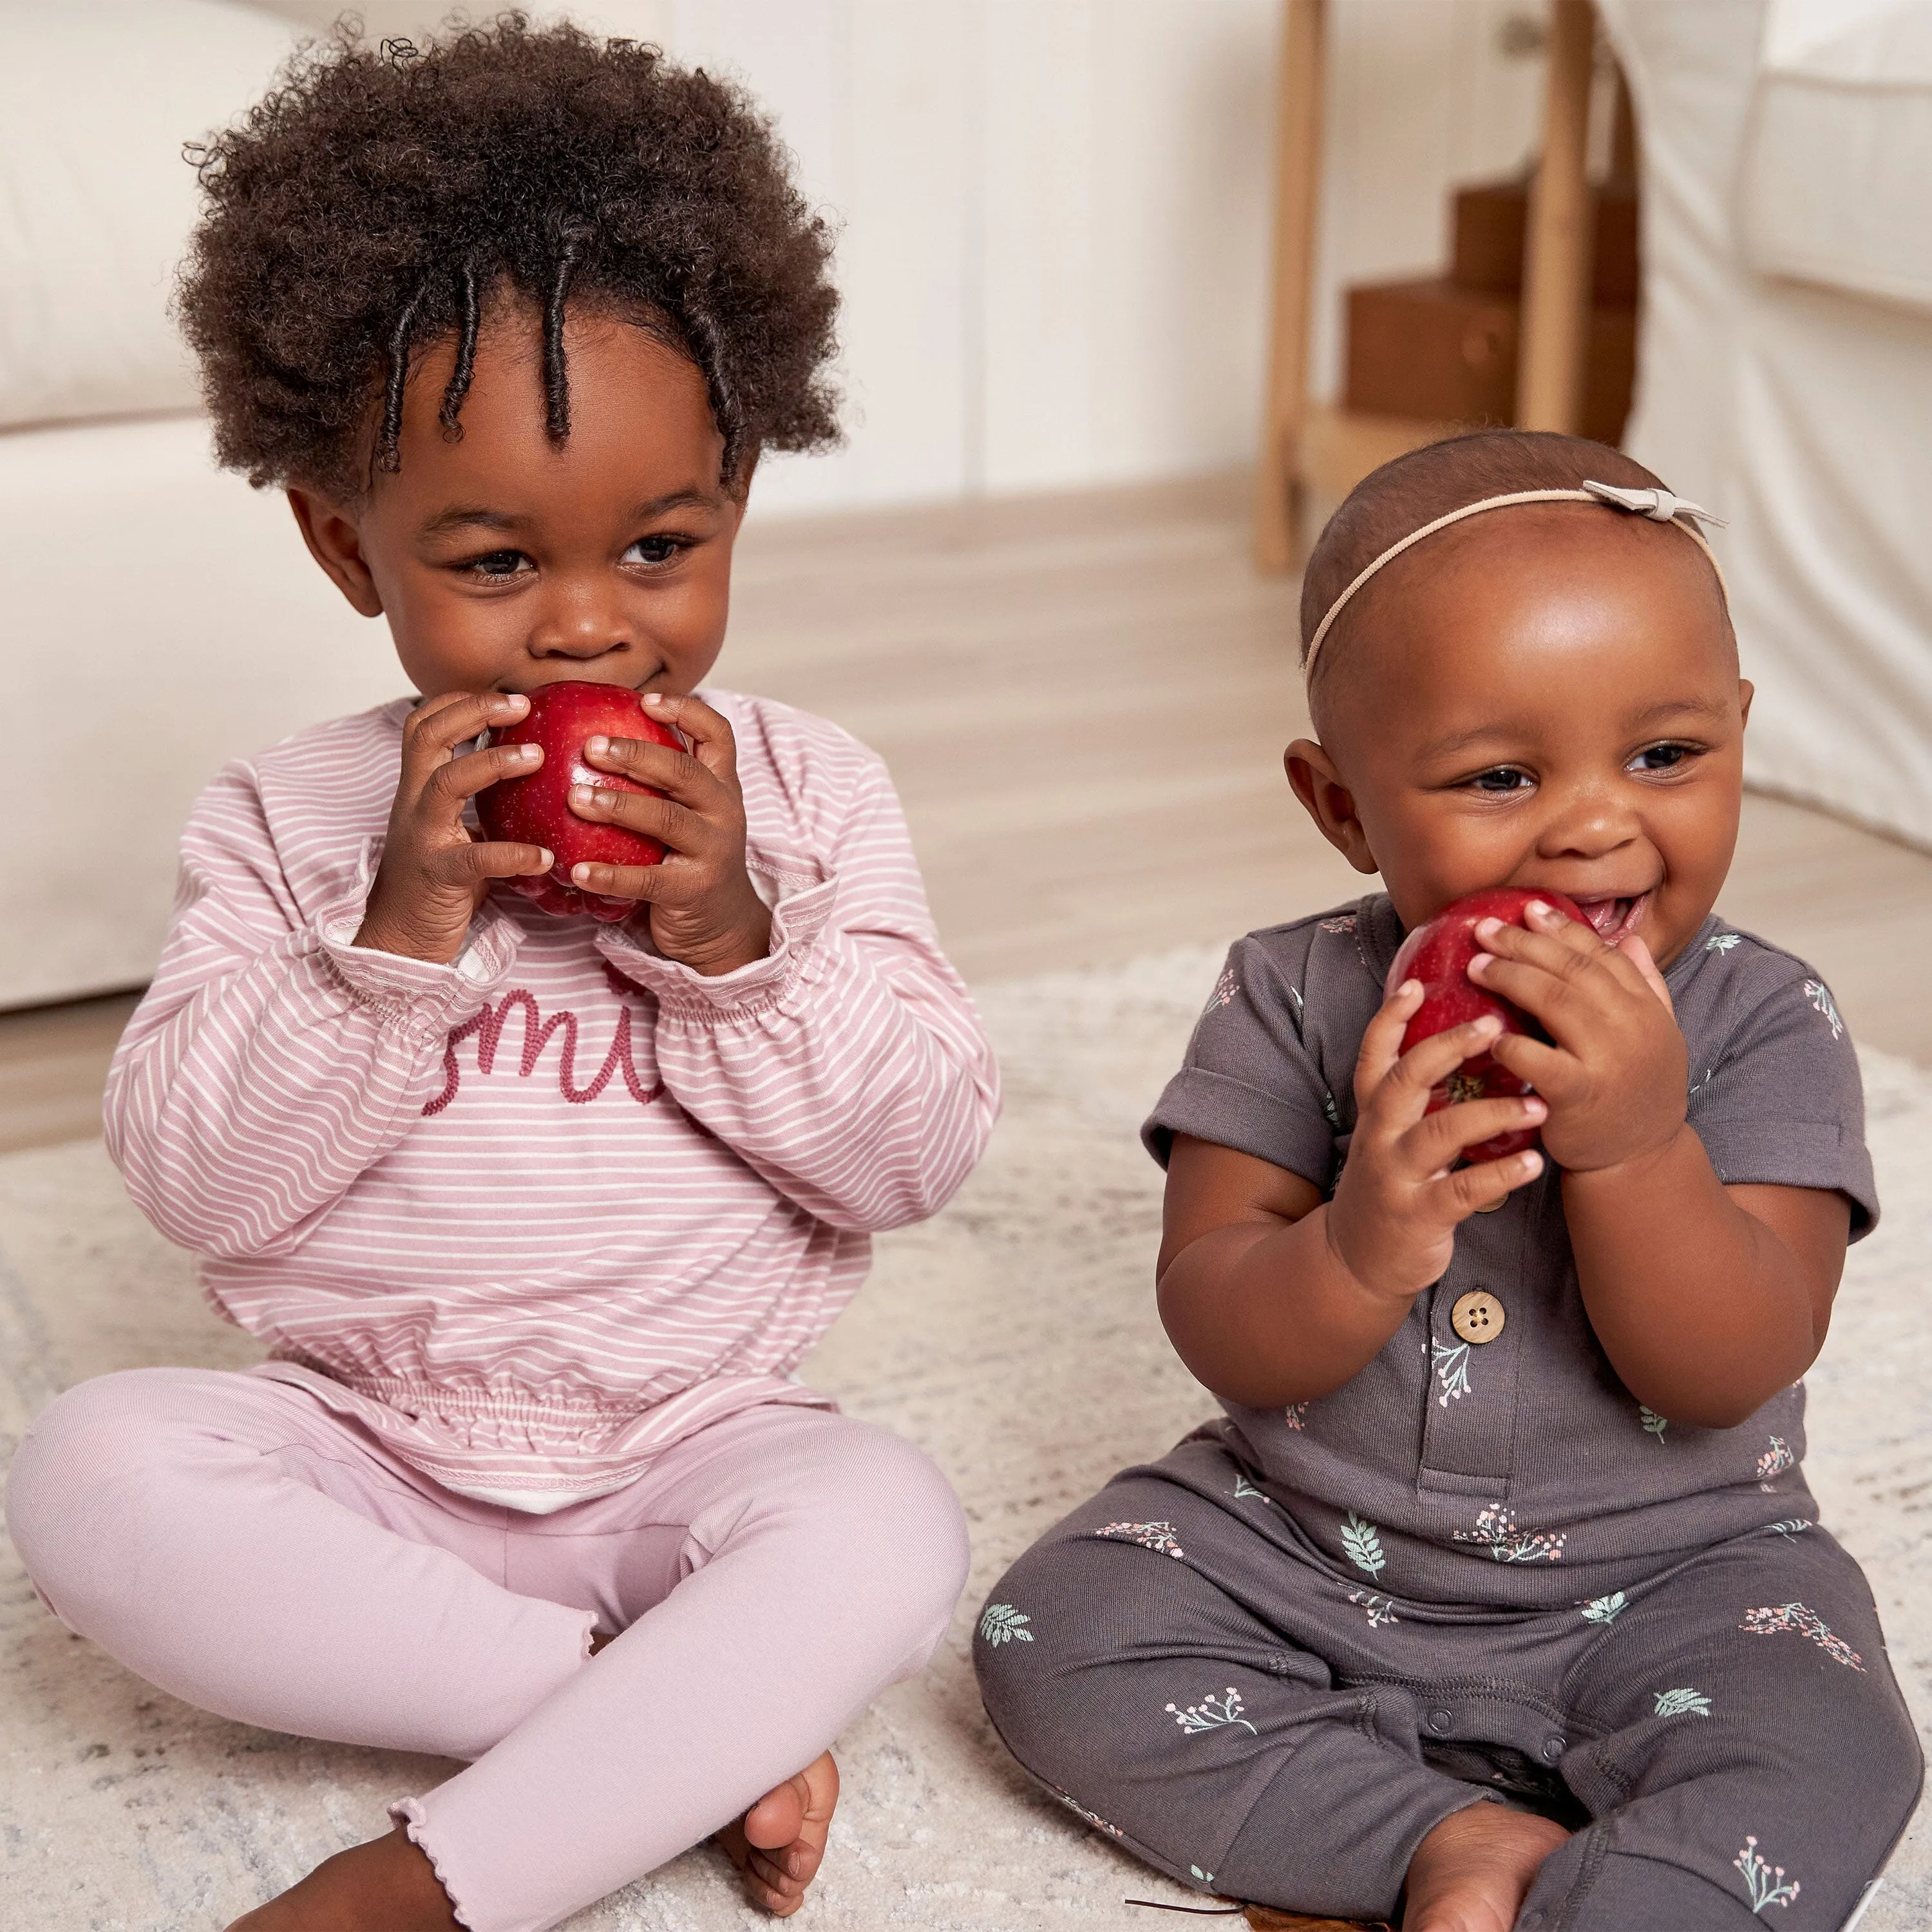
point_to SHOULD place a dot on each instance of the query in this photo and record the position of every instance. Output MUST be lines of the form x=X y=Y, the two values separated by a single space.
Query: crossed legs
x=231 y=1540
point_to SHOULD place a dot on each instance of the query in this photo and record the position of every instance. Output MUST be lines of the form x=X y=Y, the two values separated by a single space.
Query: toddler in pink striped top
x=537 y=1213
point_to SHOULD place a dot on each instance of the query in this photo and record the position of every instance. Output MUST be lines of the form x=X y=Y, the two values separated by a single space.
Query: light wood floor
x=1084 y=699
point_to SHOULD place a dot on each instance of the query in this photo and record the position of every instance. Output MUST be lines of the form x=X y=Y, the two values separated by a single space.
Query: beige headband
x=1658 y=504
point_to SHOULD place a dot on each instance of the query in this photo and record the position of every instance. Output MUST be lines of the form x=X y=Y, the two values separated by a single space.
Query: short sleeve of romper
x=1775 y=1095
x=1250 y=1080
x=1521 y=1472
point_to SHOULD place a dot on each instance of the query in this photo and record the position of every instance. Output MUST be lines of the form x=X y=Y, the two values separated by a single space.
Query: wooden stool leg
x=1558 y=265
x=1297 y=183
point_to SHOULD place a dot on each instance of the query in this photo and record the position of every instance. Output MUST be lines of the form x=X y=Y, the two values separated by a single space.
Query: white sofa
x=157 y=618
x=1785 y=364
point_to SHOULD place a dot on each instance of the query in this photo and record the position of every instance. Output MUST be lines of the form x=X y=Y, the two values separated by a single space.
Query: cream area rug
x=1014 y=1337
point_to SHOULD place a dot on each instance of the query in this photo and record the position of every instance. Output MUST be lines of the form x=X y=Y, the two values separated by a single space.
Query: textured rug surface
x=1014 y=1337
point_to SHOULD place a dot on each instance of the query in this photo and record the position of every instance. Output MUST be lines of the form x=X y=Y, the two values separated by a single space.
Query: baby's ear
x=1326 y=797
x=334 y=540
x=1747 y=691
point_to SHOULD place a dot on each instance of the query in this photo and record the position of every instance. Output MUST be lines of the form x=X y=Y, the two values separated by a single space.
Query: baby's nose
x=579 y=626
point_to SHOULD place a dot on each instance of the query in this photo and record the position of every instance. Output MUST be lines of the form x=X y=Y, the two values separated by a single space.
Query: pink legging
x=235 y=1543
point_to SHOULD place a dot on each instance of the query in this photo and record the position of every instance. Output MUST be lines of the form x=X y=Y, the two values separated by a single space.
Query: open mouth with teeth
x=1612 y=919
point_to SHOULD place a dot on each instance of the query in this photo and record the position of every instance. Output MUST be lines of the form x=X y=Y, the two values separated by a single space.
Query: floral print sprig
x=1158 y=1536
x=1002 y=1623
x=1452 y=1371
x=1226 y=988
x=1683 y=1703
x=1099 y=1823
x=1211 y=1714
x=1496 y=1531
x=1819 y=995
x=1773 y=1618
x=1773 y=1462
x=1764 y=1883
x=1363 y=1544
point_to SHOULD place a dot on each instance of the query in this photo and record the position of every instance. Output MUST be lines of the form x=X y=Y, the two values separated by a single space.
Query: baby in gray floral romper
x=1507 y=1503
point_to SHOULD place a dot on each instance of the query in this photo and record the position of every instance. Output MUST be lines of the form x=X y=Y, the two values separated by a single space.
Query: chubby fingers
x=1639 y=955
x=469 y=772
x=620 y=882
x=690 y=808
x=1430 y=1062
x=1468 y=1190
x=439 y=725
x=1547 y=939
x=1387 y=1078
x=1534 y=1062
x=649 y=814
x=1550 y=972
x=1382 y=1043
x=669 y=769
x=707 y=731
x=1436 y=1142
x=482 y=858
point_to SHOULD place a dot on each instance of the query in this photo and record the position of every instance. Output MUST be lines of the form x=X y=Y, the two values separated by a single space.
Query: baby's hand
x=703 y=909
x=434 y=872
x=1394 y=1218
x=1614 y=1078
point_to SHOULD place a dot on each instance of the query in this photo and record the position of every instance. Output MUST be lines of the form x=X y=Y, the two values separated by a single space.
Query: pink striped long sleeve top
x=535 y=1215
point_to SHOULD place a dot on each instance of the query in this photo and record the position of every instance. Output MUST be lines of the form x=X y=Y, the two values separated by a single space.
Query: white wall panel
x=1126 y=168
x=905 y=258
x=1036 y=271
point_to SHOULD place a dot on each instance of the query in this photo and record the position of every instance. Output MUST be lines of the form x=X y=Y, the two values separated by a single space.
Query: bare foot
x=1473 y=1871
x=386 y=1885
x=778 y=1842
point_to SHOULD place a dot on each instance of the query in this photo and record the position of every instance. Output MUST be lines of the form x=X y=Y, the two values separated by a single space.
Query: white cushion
x=97 y=98
x=162 y=618
x=1837 y=183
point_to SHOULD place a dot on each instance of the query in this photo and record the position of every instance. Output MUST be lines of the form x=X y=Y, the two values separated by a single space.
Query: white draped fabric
x=1785 y=364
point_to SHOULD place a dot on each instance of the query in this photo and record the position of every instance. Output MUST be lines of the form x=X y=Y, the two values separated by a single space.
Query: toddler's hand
x=702 y=910
x=1394 y=1218
x=1614 y=1078
x=434 y=871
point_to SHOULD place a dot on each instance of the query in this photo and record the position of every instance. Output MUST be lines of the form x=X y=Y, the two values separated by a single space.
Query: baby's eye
x=1500 y=780
x=1661 y=757
x=653 y=550
x=500 y=563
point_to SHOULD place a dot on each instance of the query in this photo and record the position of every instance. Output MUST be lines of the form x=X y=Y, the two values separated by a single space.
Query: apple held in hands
x=535 y=810
x=1438 y=953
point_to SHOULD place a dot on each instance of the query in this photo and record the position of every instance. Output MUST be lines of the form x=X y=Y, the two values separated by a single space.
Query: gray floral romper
x=1272 y=1661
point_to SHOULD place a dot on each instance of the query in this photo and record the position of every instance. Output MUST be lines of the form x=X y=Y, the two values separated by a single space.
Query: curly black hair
x=380 y=198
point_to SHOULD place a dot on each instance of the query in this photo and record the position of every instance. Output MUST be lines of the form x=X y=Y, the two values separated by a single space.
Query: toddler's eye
x=499 y=563
x=1661 y=757
x=1500 y=780
x=652 y=550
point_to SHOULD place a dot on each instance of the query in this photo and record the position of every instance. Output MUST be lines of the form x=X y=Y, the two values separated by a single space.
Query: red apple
x=1438 y=953
x=535 y=810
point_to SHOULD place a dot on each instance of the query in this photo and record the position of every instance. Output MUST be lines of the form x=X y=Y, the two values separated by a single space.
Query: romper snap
x=1478 y=1316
